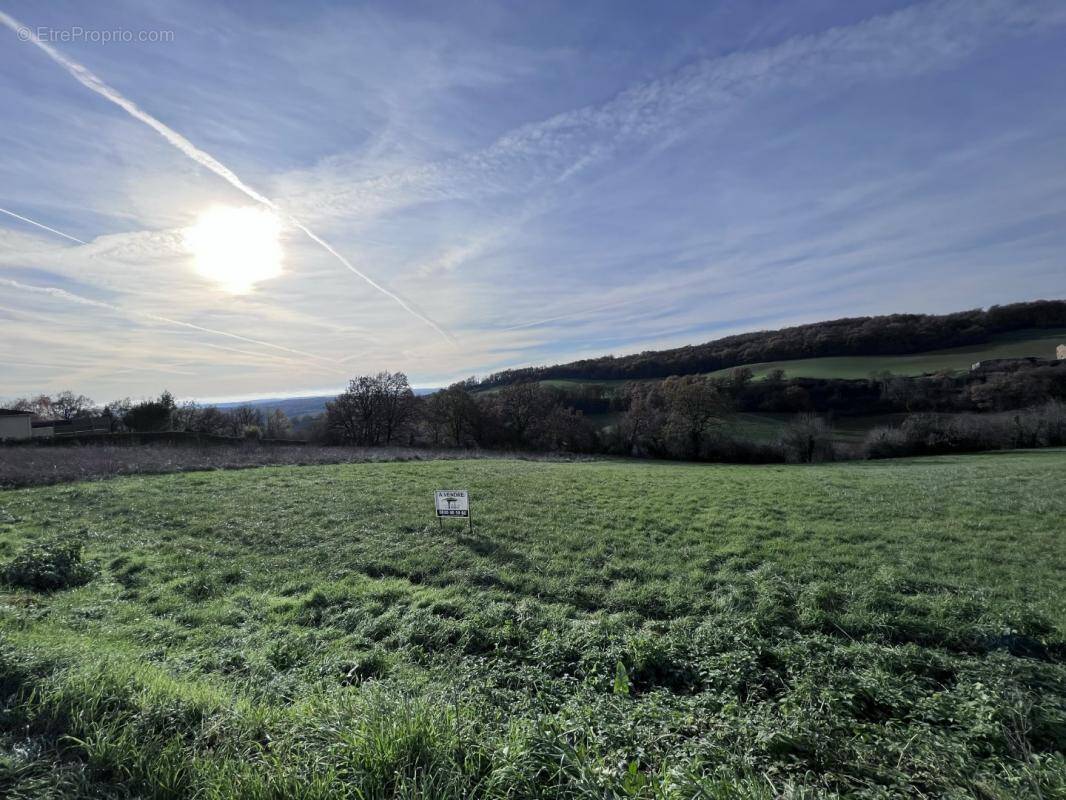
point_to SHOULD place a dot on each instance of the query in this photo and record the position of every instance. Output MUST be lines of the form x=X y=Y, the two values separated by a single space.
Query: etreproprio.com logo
x=77 y=33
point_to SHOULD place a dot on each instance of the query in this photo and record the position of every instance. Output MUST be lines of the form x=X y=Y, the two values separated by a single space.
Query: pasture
x=1017 y=344
x=608 y=629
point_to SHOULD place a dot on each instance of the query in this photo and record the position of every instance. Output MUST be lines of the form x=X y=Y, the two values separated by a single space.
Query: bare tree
x=244 y=421
x=115 y=412
x=694 y=405
x=343 y=417
x=373 y=410
x=520 y=406
x=808 y=439
x=278 y=425
x=396 y=402
x=640 y=428
x=68 y=405
x=455 y=414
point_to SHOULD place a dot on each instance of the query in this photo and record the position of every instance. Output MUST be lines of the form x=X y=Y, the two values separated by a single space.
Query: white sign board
x=452 y=502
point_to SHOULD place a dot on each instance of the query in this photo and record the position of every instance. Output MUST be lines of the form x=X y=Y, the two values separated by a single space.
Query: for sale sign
x=452 y=502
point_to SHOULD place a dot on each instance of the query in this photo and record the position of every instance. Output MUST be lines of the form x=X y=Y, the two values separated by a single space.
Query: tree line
x=382 y=409
x=681 y=417
x=894 y=334
x=159 y=414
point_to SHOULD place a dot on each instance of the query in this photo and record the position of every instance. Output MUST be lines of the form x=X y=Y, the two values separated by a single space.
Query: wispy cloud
x=63 y=294
x=90 y=81
x=924 y=37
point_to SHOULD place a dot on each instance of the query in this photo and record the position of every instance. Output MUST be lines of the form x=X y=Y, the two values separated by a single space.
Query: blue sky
x=541 y=182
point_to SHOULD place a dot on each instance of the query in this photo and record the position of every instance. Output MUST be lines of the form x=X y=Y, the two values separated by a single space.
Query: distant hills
x=292 y=406
x=311 y=405
x=856 y=345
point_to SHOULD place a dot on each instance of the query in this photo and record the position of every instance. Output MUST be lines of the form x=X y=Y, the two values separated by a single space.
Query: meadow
x=1039 y=343
x=606 y=629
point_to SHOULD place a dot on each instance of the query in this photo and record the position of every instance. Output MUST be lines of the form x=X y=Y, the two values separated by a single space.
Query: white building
x=15 y=424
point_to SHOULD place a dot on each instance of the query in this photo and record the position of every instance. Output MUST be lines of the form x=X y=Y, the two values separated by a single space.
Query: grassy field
x=1018 y=344
x=608 y=629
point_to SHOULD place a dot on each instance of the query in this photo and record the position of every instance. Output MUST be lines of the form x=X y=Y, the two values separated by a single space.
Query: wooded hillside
x=895 y=334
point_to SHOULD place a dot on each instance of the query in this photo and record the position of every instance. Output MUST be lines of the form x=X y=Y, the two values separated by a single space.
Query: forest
x=894 y=334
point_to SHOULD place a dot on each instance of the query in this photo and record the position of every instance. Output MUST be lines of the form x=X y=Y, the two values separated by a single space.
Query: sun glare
x=236 y=247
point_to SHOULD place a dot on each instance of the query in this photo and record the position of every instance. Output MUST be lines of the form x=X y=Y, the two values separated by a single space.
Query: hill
x=607 y=629
x=1040 y=343
x=312 y=405
x=291 y=406
x=861 y=341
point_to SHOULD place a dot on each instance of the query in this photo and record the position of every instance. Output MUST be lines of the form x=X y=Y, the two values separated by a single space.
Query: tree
x=373 y=410
x=343 y=417
x=775 y=376
x=396 y=404
x=68 y=405
x=693 y=405
x=278 y=425
x=906 y=392
x=115 y=412
x=808 y=439
x=213 y=420
x=190 y=416
x=739 y=379
x=519 y=406
x=453 y=416
x=562 y=429
x=151 y=415
x=640 y=429
x=244 y=421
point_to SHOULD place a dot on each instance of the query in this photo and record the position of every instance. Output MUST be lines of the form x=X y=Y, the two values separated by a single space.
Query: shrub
x=808 y=439
x=49 y=566
x=937 y=434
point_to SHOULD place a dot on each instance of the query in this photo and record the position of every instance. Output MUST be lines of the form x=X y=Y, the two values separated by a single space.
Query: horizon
x=231 y=207
x=304 y=393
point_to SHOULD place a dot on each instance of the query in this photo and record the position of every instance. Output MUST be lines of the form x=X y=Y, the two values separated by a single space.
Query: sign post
x=452 y=503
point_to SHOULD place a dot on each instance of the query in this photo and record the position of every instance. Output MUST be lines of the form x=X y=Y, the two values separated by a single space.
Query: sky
x=450 y=189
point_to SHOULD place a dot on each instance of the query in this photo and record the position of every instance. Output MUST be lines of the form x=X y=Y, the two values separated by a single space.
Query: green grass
x=608 y=629
x=1040 y=343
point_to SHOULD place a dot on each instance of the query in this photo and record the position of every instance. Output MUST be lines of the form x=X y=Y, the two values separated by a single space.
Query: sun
x=237 y=247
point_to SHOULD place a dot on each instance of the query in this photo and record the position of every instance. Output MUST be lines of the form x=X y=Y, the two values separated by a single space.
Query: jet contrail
x=38 y=224
x=568 y=315
x=86 y=301
x=89 y=80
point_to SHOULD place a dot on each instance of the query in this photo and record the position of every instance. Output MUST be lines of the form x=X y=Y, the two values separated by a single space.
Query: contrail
x=38 y=224
x=568 y=315
x=86 y=301
x=89 y=80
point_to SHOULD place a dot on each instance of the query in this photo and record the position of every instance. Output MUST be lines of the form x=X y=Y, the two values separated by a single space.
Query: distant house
x=15 y=424
x=1060 y=352
x=22 y=425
